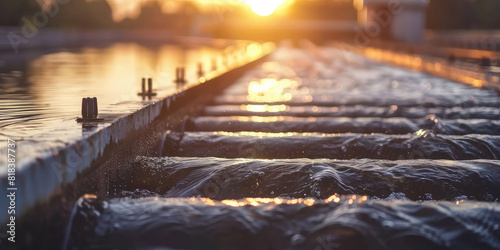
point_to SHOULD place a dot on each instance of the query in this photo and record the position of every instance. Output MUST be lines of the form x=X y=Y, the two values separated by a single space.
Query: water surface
x=41 y=90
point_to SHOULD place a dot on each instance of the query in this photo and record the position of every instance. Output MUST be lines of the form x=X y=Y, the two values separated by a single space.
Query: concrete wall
x=402 y=20
x=409 y=25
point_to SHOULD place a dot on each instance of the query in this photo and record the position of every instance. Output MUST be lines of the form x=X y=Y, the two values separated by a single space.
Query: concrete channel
x=306 y=148
x=389 y=151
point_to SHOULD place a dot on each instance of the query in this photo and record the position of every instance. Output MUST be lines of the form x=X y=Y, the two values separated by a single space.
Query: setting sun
x=264 y=7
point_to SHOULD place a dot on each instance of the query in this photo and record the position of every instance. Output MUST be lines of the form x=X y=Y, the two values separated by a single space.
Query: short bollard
x=96 y=112
x=84 y=108
x=143 y=86
x=90 y=110
x=180 y=75
x=149 y=92
x=200 y=70
x=150 y=86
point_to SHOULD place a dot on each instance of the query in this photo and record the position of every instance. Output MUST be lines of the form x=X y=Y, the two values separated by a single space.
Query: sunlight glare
x=264 y=7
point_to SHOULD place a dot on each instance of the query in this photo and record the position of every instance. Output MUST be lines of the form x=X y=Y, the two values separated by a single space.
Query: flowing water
x=338 y=222
x=317 y=148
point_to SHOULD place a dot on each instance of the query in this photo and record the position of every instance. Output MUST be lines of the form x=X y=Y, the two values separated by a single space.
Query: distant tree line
x=82 y=14
x=95 y=14
x=11 y=11
x=70 y=13
x=463 y=14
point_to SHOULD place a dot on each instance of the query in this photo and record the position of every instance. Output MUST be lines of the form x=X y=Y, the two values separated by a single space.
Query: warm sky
x=131 y=8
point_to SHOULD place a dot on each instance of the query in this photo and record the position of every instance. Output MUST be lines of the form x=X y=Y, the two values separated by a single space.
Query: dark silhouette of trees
x=73 y=14
x=152 y=17
x=81 y=14
x=463 y=14
x=12 y=11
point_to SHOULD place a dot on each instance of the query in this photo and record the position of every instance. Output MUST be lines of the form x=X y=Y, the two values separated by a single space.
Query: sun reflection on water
x=264 y=108
x=350 y=199
x=261 y=201
x=270 y=89
x=262 y=119
x=277 y=134
x=256 y=134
